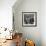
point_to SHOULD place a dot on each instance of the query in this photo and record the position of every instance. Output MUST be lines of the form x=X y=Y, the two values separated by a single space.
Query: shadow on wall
x=17 y=4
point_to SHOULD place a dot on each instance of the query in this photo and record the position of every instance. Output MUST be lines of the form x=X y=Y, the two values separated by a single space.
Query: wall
x=6 y=13
x=33 y=33
x=43 y=22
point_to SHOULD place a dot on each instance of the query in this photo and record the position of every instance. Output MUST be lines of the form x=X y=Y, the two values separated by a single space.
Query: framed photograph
x=29 y=19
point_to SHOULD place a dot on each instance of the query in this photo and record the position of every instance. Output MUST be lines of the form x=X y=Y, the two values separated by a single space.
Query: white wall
x=33 y=33
x=43 y=22
x=6 y=13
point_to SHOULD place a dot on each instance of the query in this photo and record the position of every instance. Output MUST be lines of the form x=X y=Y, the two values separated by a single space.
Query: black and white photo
x=29 y=19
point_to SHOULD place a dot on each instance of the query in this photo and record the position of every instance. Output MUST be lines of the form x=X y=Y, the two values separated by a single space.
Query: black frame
x=35 y=14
